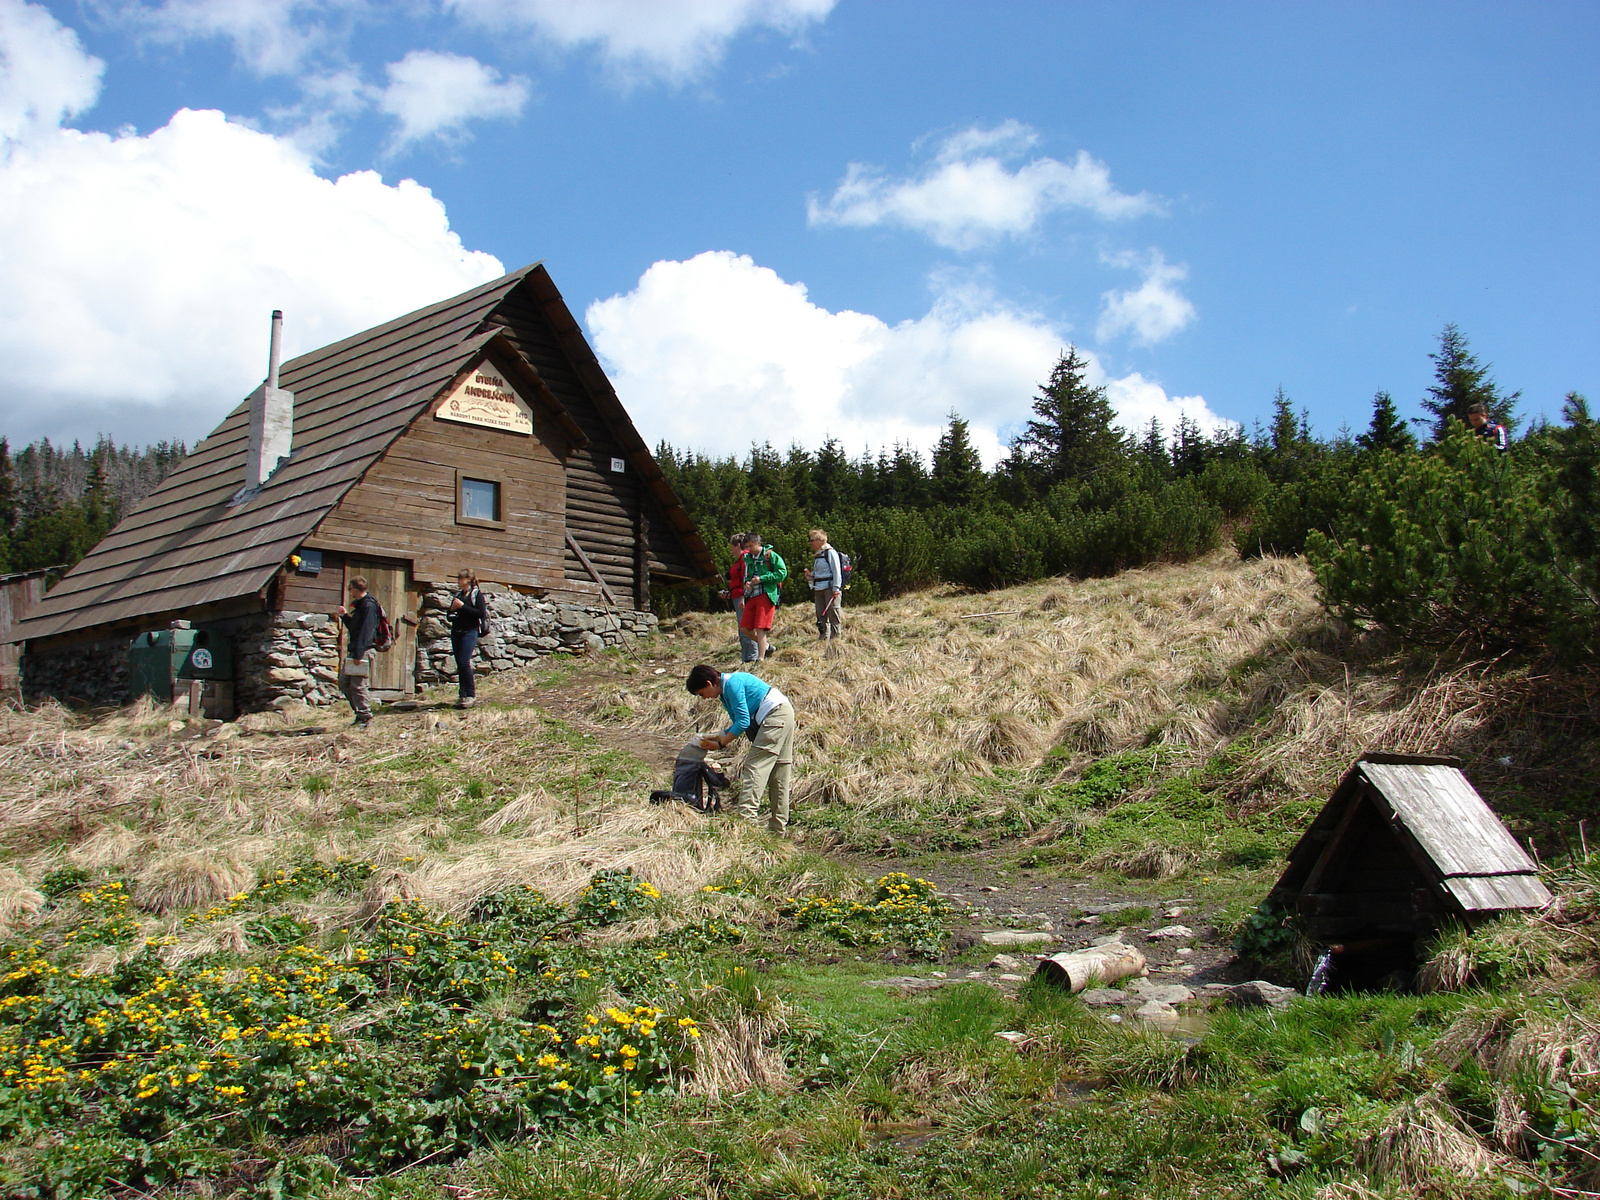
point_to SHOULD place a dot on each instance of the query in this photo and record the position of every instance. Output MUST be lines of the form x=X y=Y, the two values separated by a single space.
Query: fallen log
x=1078 y=969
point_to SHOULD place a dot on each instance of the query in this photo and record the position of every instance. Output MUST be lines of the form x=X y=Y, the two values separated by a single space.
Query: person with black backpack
x=469 y=621
x=362 y=621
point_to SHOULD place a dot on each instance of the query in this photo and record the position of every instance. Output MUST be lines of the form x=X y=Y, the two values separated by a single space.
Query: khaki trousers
x=830 y=614
x=769 y=770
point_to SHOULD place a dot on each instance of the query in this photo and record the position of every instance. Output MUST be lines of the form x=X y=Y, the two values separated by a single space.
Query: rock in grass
x=1104 y=997
x=1259 y=992
x=1101 y=910
x=1017 y=937
x=1157 y=1013
x=1162 y=993
x=1171 y=933
x=1004 y=962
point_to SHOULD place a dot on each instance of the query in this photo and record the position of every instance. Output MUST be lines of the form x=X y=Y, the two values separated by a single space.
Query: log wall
x=405 y=505
x=617 y=522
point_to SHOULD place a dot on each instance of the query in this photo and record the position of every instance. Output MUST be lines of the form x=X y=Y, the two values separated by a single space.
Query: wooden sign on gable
x=484 y=397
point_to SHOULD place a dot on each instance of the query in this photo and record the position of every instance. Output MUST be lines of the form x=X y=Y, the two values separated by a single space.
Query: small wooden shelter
x=1404 y=845
x=19 y=592
x=479 y=432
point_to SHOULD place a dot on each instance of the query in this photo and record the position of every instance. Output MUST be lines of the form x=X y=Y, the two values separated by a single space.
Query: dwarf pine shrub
x=1456 y=547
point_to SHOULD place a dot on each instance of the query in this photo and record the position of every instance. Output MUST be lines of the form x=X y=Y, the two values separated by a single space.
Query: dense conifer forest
x=56 y=503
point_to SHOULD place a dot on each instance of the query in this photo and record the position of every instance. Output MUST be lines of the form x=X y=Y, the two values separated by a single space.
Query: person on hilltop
x=1492 y=432
x=764 y=570
x=360 y=620
x=826 y=575
x=756 y=708
x=735 y=592
x=469 y=620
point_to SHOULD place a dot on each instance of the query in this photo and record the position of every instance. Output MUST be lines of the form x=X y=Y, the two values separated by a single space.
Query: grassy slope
x=1173 y=721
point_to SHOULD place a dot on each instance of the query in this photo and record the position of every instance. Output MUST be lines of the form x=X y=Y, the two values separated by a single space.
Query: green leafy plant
x=903 y=911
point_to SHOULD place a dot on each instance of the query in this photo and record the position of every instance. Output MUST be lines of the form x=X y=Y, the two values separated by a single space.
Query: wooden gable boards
x=1466 y=858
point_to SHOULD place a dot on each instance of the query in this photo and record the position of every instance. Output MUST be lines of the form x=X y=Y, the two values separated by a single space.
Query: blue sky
x=793 y=218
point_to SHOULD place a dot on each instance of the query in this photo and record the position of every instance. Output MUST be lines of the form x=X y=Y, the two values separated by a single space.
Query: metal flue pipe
x=275 y=347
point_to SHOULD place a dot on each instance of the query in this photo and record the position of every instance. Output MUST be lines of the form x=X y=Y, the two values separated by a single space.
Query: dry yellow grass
x=926 y=702
x=450 y=807
x=925 y=709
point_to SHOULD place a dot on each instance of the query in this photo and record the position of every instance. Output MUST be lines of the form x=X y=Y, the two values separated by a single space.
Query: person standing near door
x=469 y=620
x=360 y=620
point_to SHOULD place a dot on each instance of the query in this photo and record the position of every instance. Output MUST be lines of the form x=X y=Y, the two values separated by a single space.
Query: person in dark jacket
x=469 y=615
x=1492 y=432
x=360 y=620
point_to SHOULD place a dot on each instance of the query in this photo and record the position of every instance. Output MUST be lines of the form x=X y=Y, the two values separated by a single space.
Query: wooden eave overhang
x=1466 y=854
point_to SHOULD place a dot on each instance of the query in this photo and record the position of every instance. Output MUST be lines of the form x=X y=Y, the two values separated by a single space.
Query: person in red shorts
x=764 y=570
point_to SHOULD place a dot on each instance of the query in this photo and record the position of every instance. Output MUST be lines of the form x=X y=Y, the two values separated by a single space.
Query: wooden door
x=389 y=584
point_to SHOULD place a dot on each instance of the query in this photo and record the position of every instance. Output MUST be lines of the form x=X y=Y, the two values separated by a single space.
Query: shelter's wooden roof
x=183 y=547
x=1451 y=832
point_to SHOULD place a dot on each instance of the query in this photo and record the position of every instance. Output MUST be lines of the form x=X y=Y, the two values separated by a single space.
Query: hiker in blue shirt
x=760 y=710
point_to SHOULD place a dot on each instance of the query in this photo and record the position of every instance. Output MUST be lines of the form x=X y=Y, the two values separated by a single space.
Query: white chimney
x=271 y=418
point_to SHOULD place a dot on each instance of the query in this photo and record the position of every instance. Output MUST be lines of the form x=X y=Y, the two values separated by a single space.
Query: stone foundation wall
x=92 y=673
x=521 y=629
x=288 y=658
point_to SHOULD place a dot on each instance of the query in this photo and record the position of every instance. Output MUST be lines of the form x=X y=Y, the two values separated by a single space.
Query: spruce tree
x=1388 y=431
x=8 y=489
x=834 y=484
x=958 y=478
x=1071 y=435
x=97 y=504
x=1459 y=382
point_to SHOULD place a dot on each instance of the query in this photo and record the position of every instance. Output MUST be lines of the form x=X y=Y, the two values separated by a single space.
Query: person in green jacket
x=764 y=570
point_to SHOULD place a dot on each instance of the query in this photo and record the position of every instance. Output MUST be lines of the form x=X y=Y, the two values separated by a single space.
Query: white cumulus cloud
x=716 y=352
x=968 y=196
x=431 y=93
x=138 y=272
x=1154 y=310
x=45 y=75
x=271 y=37
x=671 y=40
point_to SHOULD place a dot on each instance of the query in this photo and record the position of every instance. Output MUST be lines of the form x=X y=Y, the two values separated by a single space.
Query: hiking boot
x=362 y=722
x=466 y=702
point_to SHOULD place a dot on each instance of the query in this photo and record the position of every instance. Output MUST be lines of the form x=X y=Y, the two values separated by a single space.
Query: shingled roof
x=183 y=547
x=1451 y=836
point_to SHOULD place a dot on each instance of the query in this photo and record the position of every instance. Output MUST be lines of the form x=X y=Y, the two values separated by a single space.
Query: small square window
x=479 y=501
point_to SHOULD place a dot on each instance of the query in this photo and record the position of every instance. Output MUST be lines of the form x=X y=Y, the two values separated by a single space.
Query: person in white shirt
x=827 y=586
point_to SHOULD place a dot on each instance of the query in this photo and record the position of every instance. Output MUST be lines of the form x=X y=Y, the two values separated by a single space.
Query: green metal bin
x=161 y=662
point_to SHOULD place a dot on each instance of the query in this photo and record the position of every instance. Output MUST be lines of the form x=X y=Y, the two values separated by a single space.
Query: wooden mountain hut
x=1403 y=846
x=479 y=432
